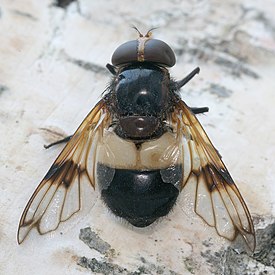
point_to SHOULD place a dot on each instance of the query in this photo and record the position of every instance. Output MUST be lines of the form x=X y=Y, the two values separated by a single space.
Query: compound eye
x=125 y=53
x=159 y=52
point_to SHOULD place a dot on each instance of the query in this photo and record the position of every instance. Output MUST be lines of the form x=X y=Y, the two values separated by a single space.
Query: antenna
x=148 y=34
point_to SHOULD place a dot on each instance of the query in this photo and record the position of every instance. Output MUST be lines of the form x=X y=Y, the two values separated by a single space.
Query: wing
x=58 y=196
x=217 y=199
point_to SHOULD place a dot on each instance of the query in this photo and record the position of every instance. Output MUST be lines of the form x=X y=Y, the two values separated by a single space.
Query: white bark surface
x=52 y=72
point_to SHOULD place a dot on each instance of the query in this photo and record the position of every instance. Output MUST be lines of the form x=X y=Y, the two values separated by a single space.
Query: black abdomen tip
x=140 y=197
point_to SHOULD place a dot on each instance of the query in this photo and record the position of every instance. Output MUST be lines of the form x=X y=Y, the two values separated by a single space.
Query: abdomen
x=139 y=183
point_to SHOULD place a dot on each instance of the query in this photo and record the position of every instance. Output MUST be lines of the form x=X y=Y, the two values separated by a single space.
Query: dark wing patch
x=58 y=196
x=217 y=199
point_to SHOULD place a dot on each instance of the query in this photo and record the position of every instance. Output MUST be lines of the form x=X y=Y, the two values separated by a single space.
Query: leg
x=182 y=82
x=199 y=110
x=112 y=69
x=66 y=139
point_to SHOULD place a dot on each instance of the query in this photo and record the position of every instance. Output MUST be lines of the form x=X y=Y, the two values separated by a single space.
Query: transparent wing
x=58 y=196
x=217 y=199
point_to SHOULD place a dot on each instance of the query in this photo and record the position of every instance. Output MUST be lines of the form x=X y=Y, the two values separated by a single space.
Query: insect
x=140 y=146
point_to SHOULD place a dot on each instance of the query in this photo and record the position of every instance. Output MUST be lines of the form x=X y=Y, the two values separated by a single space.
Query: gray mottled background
x=52 y=71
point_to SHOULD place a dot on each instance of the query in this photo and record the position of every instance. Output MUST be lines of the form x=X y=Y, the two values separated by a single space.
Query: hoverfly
x=141 y=145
